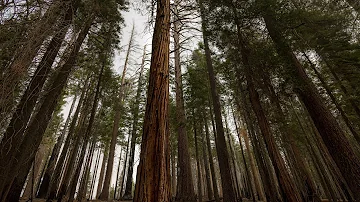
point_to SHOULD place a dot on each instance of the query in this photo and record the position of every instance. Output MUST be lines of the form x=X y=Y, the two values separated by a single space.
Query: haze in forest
x=181 y=100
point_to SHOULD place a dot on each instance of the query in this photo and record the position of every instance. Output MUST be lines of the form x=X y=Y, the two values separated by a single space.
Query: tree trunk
x=212 y=169
x=153 y=177
x=334 y=100
x=199 y=181
x=102 y=174
x=330 y=131
x=185 y=189
x=37 y=127
x=128 y=187
x=95 y=171
x=15 y=130
x=81 y=196
x=207 y=170
x=26 y=53
x=54 y=156
x=124 y=169
x=223 y=156
x=86 y=137
x=34 y=175
x=105 y=191
x=50 y=191
x=117 y=174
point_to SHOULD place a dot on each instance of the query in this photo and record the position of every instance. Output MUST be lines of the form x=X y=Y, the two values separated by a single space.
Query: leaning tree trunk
x=223 y=155
x=153 y=177
x=330 y=131
x=15 y=130
x=128 y=186
x=37 y=127
x=106 y=187
x=185 y=189
x=49 y=170
x=9 y=82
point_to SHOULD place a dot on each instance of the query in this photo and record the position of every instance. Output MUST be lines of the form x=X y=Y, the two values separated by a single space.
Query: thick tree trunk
x=129 y=181
x=330 y=131
x=37 y=127
x=153 y=177
x=223 y=156
x=185 y=189
x=106 y=187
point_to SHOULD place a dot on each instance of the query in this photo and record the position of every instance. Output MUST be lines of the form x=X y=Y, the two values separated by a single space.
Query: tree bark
x=330 y=131
x=153 y=177
x=207 y=170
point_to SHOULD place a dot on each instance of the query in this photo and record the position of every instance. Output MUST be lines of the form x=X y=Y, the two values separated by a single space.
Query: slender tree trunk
x=212 y=169
x=37 y=127
x=54 y=156
x=223 y=156
x=330 y=131
x=185 y=190
x=334 y=100
x=117 y=174
x=199 y=181
x=153 y=177
x=129 y=181
x=256 y=176
x=34 y=175
x=86 y=137
x=54 y=182
x=102 y=174
x=207 y=170
x=72 y=184
x=84 y=180
x=95 y=171
x=106 y=188
x=124 y=169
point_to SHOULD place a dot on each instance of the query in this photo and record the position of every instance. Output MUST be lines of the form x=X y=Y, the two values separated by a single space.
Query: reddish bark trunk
x=153 y=177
